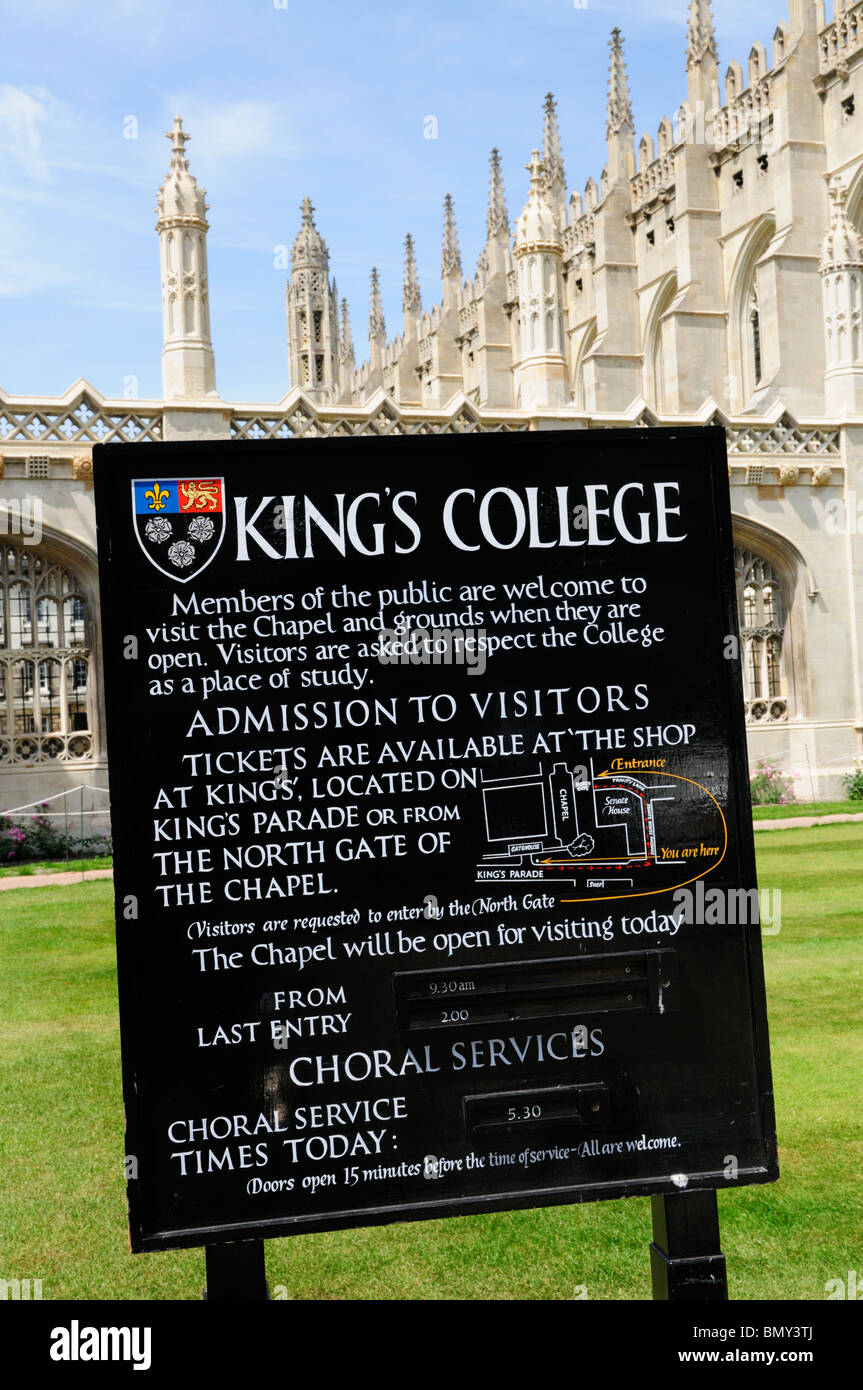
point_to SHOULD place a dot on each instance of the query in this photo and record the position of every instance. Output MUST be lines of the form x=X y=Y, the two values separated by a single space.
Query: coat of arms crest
x=179 y=522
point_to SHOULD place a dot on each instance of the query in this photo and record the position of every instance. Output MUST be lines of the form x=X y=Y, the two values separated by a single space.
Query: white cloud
x=62 y=218
x=233 y=130
x=24 y=115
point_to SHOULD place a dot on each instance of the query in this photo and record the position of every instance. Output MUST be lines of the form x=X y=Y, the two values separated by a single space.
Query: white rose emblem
x=201 y=528
x=158 y=529
x=181 y=554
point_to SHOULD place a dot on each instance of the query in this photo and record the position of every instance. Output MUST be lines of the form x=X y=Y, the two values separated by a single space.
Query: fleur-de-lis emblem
x=157 y=497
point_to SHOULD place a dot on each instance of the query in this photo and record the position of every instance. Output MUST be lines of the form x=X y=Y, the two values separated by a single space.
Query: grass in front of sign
x=55 y=866
x=62 y=1205
x=62 y=1200
x=787 y=1240
x=808 y=808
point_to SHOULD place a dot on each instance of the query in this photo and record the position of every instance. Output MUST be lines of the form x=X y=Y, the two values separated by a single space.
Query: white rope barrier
x=73 y=791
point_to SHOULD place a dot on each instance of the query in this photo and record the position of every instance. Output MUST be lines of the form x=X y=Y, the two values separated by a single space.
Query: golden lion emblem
x=199 y=497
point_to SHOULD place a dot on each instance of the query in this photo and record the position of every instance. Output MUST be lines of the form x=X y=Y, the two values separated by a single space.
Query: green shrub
x=36 y=837
x=771 y=787
x=853 y=784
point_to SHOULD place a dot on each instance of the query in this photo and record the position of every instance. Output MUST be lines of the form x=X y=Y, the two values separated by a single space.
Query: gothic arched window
x=751 y=317
x=755 y=334
x=761 y=615
x=45 y=685
x=588 y=339
x=655 y=364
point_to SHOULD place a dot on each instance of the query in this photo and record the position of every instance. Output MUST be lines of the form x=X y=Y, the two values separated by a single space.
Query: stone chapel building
x=714 y=272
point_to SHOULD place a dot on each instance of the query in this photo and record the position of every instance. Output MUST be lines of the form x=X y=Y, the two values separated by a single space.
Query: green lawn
x=808 y=808
x=62 y=1209
x=54 y=866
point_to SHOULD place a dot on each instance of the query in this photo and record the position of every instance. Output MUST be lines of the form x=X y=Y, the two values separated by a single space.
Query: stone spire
x=619 y=107
x=620 y=126
x=451 y=256
x=180 y=195
x=537 y=225
x=700 y=38
x=377 y=330
x=411 y=298
x=552 y=154
x=541 y=380
x=346 y=342
x=188 y=363
x=805 y=14
x=313 y=326
x=401 y=355
x=497 y=221
x=702 y=59
x=552 y=158
x=377 y=327
x=345 y=353
x=309 y=248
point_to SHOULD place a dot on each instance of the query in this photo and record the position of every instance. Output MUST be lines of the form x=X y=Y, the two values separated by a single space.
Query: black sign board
x=434 y=862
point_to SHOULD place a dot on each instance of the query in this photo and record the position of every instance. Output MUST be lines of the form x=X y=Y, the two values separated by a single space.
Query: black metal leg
x=686 y=1261
x=236 y=1273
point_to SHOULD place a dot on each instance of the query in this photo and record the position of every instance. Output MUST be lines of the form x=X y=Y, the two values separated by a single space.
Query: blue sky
x=320 y=97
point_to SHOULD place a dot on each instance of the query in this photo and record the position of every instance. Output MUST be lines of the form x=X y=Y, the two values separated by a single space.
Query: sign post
x=434 y=868
x=686 y=1262
x=236 y=1273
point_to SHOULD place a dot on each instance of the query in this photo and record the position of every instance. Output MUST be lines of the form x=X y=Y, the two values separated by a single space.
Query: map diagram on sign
x=609 y=834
